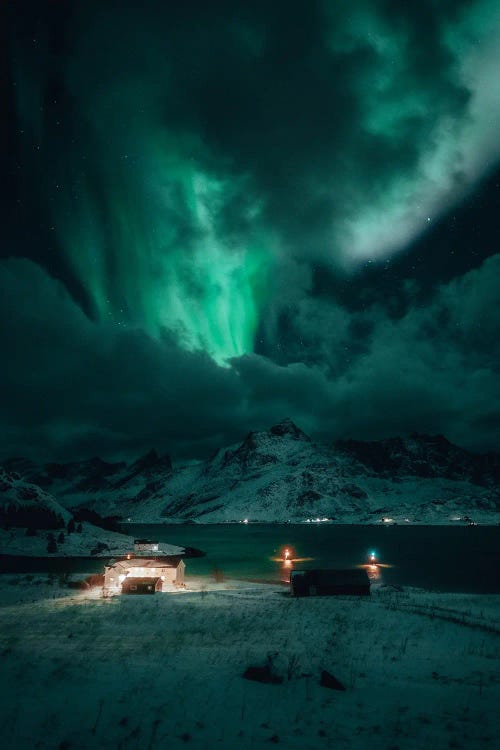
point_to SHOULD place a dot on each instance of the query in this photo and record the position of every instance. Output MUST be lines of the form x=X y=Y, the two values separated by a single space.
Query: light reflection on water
x=287 y=562
x=374 y=570
x=286 y=571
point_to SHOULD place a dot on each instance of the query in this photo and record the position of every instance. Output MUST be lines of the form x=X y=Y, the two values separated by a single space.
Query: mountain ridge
x=280 y=474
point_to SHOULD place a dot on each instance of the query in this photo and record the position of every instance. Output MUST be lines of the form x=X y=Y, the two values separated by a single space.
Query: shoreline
x=378 y=524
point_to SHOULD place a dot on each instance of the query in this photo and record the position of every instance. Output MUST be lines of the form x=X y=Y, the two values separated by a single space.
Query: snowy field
x=165 y=671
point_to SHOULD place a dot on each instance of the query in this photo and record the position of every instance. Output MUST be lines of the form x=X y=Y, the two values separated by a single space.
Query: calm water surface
x=442 y=558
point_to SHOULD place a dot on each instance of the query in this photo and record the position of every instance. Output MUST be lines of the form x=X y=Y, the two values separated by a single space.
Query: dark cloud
x=71 y=387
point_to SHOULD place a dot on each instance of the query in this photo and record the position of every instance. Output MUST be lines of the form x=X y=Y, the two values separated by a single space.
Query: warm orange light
x=286 y=554
x=373 y=572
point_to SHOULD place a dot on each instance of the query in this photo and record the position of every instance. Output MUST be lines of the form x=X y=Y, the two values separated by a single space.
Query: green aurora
x=137 y=208
x=167 y=228
x=159 y=214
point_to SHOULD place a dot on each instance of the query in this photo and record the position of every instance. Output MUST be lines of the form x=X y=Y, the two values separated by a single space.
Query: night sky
x=221 y=214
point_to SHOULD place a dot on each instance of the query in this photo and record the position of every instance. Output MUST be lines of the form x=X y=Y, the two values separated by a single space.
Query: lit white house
x=145 y=546
x=163 y=574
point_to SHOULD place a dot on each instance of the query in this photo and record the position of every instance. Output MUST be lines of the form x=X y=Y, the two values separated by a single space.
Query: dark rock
x=100 y=547
x=147 y=461
x=352 y=490
x=308 y=498
x=287 y=428
x=328 y=680
x=425 y=456
x=78 y=585
x=262 y=674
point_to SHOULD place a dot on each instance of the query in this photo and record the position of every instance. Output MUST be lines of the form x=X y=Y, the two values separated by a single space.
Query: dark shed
x=329 y=582
x=132 y=585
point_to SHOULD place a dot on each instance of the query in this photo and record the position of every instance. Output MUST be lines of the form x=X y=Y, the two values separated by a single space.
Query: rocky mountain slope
x=25 y=504
x=281 y=475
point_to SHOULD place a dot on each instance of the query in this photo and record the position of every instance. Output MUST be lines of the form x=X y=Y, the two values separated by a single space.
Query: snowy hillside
x=24 y=505
x=281 y=475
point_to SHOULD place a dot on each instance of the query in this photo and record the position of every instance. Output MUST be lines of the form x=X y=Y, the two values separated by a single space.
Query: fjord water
x=441 y=558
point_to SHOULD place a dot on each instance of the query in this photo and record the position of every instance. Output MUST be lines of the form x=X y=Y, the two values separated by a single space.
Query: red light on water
x=287 y=553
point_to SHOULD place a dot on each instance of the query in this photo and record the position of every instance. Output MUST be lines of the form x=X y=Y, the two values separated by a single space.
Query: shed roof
x=337 y=577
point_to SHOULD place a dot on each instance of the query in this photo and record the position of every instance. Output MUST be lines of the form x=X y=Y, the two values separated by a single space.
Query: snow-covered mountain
x=24 y=503
x=281 y=475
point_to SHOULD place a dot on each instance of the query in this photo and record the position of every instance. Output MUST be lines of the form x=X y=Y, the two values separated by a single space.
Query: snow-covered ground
x=92 y=540
x=165 y=671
